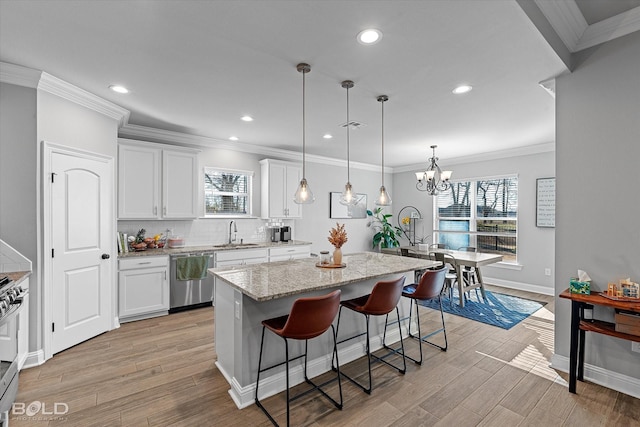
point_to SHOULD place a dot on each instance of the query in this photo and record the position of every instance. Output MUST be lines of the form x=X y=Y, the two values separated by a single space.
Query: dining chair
x=384 y=297
x=438 y=246
x=451 y=276
x=309 y=318
x=430 y=287
x=469 y=273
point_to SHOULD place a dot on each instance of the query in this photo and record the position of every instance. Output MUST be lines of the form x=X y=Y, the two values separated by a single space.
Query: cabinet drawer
x=240 y=254
x=143 y=262
x=290 y=250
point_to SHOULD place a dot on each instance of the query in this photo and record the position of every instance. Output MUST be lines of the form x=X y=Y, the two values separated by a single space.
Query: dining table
x=460 y=259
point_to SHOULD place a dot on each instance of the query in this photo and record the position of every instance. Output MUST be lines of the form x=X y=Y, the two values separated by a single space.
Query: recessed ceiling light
x=369 y=36
x=119 y=89
x=247 y=118
x=327 y=136
x=233 y=138
x=462 y=89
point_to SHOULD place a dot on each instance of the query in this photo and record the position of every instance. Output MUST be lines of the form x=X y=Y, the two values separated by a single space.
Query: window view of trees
x=482 y=214
x=226 y=193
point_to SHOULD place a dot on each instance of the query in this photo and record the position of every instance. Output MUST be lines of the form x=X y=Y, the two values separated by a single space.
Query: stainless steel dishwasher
x=184 y=294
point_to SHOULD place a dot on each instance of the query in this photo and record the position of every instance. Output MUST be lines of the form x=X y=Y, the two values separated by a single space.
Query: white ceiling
x=196 y=67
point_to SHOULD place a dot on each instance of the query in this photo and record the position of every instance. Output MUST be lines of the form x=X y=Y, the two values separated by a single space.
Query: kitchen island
x=248 y=294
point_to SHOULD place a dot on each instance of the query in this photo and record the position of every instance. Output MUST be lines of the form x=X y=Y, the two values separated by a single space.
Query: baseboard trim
x=604 y=377
x=519 y=286
x=34 y=358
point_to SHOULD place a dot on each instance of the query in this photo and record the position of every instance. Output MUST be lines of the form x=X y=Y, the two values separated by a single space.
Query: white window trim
x=249 y=174
x=514 y=265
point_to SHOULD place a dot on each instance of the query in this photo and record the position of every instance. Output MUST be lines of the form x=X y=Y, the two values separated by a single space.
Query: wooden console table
x=579 y=326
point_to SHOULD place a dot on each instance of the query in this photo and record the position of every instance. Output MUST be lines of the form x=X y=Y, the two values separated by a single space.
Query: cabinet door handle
x=155 y=210
x=141 y=263
x=164 y=211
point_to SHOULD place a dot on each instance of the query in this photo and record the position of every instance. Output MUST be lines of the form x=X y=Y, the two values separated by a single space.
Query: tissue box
x=578 y=287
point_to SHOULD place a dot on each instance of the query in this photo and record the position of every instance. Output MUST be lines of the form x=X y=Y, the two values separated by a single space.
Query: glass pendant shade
x=348 y=197
x=383 y=197
x=303 y=195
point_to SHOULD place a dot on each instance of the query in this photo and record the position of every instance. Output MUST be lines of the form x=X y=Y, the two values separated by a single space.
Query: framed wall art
x=546 y=202
x=337 y=210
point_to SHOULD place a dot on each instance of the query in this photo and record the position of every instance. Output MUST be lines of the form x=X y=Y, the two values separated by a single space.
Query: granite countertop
x=16 y=276
x=263 y=282
x=212 y=248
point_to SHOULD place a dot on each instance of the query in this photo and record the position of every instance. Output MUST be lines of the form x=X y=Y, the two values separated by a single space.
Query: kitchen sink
x=234 y=245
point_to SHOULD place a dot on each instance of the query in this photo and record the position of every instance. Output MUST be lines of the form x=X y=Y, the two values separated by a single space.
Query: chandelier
x=433 y=180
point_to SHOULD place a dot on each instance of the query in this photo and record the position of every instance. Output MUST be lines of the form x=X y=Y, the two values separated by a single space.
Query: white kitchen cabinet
x=156 y=182
x=279 y=181
x=143 y=287
x=241 y=257
x=287 y=253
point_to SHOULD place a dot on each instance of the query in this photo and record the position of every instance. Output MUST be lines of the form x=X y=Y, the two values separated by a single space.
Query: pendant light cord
x=303 y=126
x=382 y=163
x=348 y=177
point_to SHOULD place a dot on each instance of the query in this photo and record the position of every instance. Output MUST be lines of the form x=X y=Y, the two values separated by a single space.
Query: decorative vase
x=337 y=256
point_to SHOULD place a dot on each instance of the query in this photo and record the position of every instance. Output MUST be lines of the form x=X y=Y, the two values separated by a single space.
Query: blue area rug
x=504 y=311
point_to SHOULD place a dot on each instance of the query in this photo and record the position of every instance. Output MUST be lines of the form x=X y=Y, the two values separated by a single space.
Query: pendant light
x=348 y=197
x=303 y=195
x=383 y=198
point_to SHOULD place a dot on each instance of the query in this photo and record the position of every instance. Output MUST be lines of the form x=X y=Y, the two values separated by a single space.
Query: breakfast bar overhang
x=246 y=295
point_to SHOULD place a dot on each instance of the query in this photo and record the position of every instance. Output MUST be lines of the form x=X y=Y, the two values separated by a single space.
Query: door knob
x=106 y=256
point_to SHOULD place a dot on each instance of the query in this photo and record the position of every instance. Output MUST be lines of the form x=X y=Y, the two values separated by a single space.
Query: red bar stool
x=381 y=301
x=309 y=318
x=429 y=287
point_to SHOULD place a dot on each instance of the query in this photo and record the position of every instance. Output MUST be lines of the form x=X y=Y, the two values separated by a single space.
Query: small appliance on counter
x=281 y=234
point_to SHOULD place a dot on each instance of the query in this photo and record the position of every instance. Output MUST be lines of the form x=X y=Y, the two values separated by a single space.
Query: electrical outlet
x=635 y=346
x=547 y=272
x=237 y=310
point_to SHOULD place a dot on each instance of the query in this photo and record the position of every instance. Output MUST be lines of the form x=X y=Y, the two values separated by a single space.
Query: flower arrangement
x=338 y=236
x=406 y=220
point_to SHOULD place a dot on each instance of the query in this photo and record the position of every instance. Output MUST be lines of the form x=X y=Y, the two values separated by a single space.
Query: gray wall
x=598 y=179
x=27 y=117
x=18 y=186
x=535 y=245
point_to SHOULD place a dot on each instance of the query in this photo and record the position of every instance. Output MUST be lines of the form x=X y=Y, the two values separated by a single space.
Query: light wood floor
x=161 y=372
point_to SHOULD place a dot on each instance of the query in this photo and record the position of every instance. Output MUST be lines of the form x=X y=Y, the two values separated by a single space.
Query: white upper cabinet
x=156 y=182
x=279 y=181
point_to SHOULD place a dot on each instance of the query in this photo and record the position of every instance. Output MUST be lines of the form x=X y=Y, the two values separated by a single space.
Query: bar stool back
x=309 y=318
x=429 y=287
x=381 y=301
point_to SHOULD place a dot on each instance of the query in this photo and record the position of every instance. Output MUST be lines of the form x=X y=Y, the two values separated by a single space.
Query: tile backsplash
x=204 y=231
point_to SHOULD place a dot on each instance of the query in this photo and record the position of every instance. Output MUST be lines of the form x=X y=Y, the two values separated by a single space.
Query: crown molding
x=569 y=23
x=19 y=75
x=494 y=155
x=58 y=87
x=611 y=28
x=566 y=19
x=177 y=138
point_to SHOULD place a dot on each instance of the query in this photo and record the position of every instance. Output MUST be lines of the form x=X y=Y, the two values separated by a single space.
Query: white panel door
x=81 y=210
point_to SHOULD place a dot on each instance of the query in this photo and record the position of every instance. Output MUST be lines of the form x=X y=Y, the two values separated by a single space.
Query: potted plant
x=386 y=235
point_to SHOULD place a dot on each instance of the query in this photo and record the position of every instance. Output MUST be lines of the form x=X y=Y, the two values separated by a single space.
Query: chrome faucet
x=235 y=230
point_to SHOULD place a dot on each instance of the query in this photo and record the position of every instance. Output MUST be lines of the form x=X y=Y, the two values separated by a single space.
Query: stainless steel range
x=11 y=302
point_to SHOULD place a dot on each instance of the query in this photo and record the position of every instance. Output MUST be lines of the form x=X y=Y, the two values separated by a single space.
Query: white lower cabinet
x=289 y=253
x=143 y=287
x=241 y=257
